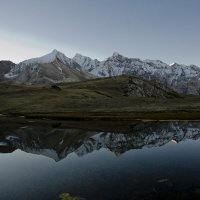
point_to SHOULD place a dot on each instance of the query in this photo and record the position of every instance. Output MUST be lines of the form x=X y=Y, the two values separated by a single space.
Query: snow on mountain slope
x=56 y=67
x=48 y=58
x=181 y=78
x=51 y=68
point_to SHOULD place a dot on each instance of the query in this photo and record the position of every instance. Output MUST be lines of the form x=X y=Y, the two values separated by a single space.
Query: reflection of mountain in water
x=58 y=142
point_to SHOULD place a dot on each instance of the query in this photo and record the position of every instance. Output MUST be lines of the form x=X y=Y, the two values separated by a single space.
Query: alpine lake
x=99 y=160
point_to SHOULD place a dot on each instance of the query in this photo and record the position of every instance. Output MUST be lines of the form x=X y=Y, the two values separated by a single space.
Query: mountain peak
x=78 y=55
x=56 y=52
x=48 y=58
x=116 y=54
x=173 y=64
x=80 y=59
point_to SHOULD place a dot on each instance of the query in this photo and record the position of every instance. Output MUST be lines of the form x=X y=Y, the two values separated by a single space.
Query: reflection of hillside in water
x=56 y=140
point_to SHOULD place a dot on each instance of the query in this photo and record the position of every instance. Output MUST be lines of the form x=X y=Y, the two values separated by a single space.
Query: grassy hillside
x=97 y=99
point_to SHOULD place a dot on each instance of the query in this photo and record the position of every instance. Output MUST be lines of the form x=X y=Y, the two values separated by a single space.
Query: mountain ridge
x=181 y=78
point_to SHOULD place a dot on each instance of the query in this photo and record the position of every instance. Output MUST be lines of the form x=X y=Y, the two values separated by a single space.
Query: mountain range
x=183 y=79
x=55 y=67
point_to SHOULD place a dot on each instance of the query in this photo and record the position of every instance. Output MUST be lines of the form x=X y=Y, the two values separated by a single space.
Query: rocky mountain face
x=5 y=67
x=126 y=86
x=139 y=87
x=51 y=68
x=183 y=79
x=58 y=142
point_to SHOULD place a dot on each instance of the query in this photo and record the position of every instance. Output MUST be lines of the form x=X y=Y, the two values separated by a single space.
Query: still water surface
x=99 y=160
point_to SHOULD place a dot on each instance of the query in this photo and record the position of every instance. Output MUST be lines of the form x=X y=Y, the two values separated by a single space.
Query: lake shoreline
x=109 y=116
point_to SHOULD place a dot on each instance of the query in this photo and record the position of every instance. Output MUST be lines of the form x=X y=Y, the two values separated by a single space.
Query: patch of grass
x=101 y=99
x=67 y=196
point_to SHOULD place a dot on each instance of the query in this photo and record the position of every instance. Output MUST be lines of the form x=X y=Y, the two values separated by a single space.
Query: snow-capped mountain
x=49 y=58
x=183 y=79
x=52 y=68
x=58 y=143
x=56 y=67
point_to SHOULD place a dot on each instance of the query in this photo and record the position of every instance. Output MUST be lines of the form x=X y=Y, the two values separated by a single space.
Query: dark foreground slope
x=5 y=67
x=119 y=98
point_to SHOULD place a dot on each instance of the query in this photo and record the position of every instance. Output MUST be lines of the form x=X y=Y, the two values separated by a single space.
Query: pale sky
x=167 y=30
